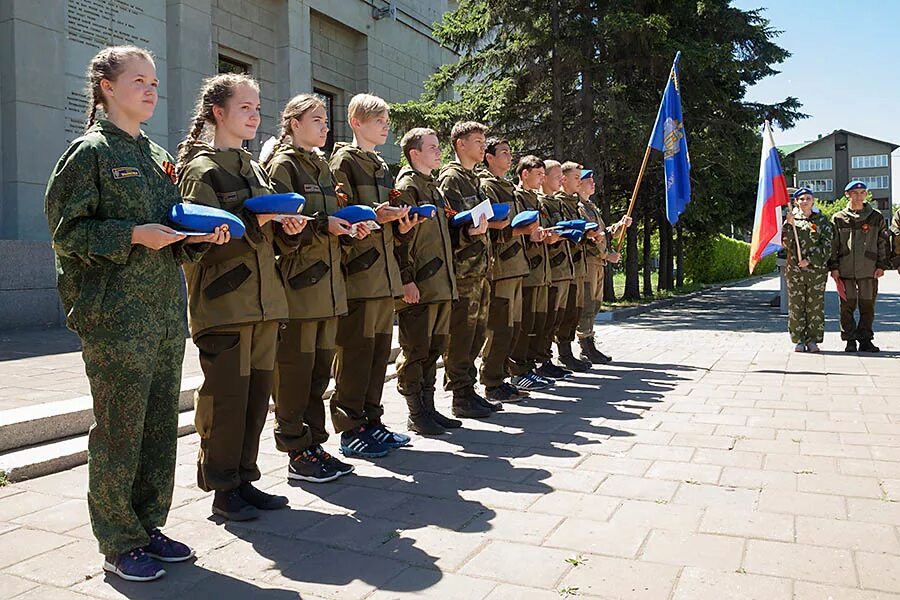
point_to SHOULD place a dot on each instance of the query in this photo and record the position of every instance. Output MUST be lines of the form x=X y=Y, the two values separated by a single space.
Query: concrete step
x=56 y=454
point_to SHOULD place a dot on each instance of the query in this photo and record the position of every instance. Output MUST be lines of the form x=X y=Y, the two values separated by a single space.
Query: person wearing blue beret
x=316 y=292
x=236 y=297
x=429 y=285
x=471 y=258
x=527 y=351
x=509 y=266
x=107 y=202
x=860 y=254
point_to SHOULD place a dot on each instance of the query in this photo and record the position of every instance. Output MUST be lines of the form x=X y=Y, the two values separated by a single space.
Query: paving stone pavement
x=708 y=461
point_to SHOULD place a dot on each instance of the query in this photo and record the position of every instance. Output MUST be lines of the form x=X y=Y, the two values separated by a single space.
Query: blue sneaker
x=166 y=549
x=134 y=565
x=359 y=442
x=389 y=438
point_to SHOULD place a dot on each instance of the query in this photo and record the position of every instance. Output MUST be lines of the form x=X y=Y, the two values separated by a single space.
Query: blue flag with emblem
x=668 y=137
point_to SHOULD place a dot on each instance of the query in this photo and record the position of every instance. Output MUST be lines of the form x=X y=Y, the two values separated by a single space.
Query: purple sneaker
x=134 y=565
x=166 y=549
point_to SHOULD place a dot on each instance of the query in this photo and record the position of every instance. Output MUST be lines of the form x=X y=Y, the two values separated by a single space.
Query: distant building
x=827 y=164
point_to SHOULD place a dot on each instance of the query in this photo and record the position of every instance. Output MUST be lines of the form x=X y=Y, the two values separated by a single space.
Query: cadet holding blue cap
x=373 y=281
x=236 y=298
x=315 y=288
x=119 y=282
x=429 y=285
x=860 y=254
x=509 y=266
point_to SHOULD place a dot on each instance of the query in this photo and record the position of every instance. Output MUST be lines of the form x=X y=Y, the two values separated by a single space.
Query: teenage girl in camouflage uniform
x=118 y=278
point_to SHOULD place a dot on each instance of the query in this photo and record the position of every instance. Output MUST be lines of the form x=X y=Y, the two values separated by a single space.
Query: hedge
x=721 y=258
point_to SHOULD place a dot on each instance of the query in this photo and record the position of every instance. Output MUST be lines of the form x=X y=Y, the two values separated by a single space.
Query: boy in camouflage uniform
x=471 y=257
x=859 y=256
x=806 y=274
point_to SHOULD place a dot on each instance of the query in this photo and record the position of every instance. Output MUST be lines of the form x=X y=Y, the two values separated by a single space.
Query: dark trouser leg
x=263 y=345
x=131 y=451
x=557 y=296
x=382 y=313
x=463 y=332
x=868 y=293
x=518 y=356
x=539 y=327
x=415 y=345
x=499 y=336
x=440 y=337
x=314 y=418
x=848 y=308
x=292 y=388
x=481 y=317
x=353 y=368
x=565 y=331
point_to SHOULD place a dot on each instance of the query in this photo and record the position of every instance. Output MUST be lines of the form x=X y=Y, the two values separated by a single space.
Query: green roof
x=789 y=149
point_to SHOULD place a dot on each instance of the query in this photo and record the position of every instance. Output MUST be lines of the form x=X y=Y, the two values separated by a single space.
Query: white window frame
x=877 y=182
x=818 y=185
x=807 y=165
x=869 y=161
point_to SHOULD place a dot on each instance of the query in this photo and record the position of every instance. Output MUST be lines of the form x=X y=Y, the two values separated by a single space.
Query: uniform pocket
x=576 y=257
x=429 y=269
x=535 y=261
x=363 y=262
x=557 y=259
x=511 y=251
x=227 y=282
x=470 y=251
x=309 y=276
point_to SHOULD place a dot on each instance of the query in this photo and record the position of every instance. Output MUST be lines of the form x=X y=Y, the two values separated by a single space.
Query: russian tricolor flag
x=771 y=195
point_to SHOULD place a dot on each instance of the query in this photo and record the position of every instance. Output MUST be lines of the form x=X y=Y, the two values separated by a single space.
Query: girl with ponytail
x=118 y=278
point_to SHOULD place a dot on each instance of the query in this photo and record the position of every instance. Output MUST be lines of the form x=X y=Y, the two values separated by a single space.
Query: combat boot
x=590 y=353
x=480 y=400
x=868 y=346
x=568 y=359
x=445 y=422
x=420 y=419
x=464 y=406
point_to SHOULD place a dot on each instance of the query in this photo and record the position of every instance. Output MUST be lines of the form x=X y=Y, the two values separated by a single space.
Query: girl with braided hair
x=236 y=298
x=118 y=279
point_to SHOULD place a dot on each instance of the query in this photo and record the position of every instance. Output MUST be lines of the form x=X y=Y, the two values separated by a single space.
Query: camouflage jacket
x=815 y=235
x=426 y=256
x=860 y=244
x=312 y=276
x=105 y=184
x=369 y=264
x=462 y=189
x=509 y=260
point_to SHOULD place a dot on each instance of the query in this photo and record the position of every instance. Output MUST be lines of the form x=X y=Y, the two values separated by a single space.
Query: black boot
x=851 y=346
x=590 y=353
x=480 y=400
x=568 y=359
x=868 y=346
x=420 y=419
x=445 y=422
x=464 y=406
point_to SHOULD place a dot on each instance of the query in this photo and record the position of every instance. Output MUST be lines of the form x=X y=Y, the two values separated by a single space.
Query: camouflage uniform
x=565 y=333
x=860 y=245
x=317 y=296
x=508 y=270
x=595 y=252
x=236 y=301
x=561 y=274
x=373 y=281
x=535 y=286
x=806 y=287
x=125 y=303
x=471 y=257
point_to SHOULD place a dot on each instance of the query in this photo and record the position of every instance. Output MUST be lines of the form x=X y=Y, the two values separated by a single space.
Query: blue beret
x=425 y=211
x=578 y=224
x=526 y=217
x=501 y=212
x=801 y=191
x=585 y=173
x=856 y=184
x=204 y=219
x=356 y=213
x=276 y=204
x=461 y=218
x=573 y=235
x=591 y=226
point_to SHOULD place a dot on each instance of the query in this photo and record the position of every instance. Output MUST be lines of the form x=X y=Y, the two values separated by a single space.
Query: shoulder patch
x=309 y=188
x=125 y=172
x=226 y=197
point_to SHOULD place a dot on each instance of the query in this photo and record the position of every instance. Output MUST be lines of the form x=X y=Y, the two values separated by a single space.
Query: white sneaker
x=800 y=347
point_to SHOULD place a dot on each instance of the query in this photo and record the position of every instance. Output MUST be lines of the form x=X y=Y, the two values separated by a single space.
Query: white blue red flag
x=771 y=195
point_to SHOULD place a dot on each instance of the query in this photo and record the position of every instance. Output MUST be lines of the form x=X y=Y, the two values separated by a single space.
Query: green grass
x=619 y=287
x=4 y=480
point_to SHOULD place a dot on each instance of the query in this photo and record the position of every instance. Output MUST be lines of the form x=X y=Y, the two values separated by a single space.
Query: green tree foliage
x=581 y=80
x=717 y=258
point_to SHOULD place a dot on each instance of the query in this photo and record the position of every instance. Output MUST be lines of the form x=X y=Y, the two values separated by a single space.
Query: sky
x=843 y=65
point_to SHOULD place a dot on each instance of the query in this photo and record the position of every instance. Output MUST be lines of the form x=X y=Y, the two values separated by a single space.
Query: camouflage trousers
x=806 y=307
x=135 y=383
x=468 y=323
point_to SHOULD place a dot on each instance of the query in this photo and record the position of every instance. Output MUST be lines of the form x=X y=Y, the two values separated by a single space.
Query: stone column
x=293 y=59
x=190 y=60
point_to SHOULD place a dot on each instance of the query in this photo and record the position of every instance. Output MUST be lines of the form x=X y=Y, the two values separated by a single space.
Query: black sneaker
x=514 y=390
x=165 y=549
x=233 y=506
x=134 y=565
x=501 y=394
x=261 y=499
x=340 y=466
x=868 y=346
x=552 y=371
x=359 y=442
x=480 y=400
x=851 y=346
x=391 y=439
x=306 y=466
x=575 y=364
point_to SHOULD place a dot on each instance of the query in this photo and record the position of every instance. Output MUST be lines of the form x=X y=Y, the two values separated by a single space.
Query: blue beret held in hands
x=280 y=204
x=197 y=218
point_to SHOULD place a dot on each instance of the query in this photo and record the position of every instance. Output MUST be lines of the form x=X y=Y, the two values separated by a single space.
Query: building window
x=818 y=185
x=869 y=162
x=232 y=65
x=328 y=98
x=879 y=182
x=814 y=164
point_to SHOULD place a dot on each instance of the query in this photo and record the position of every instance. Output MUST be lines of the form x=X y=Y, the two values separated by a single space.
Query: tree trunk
x=632 y=283
x=679 y=250
x=670 y=272
x=648 y=241
x=664 y=282
x=556 y=110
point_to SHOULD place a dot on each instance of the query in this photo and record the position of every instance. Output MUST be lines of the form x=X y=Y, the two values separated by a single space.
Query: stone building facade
x=335 y=48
